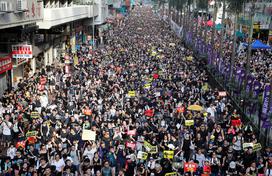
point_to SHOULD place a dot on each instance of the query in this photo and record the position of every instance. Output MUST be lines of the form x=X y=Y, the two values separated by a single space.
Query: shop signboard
x=5 y=64
x=22 y=51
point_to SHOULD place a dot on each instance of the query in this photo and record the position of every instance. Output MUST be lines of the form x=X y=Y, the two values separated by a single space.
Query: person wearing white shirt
x=44 y=100
x=58 y=163
x=6 y=126
x=11 y=152
x=90 y=151
x=211 y=110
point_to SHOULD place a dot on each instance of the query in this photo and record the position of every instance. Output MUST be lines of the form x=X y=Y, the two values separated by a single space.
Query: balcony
x=58 y=16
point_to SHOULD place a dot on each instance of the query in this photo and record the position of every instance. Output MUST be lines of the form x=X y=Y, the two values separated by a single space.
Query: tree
x=235 y=7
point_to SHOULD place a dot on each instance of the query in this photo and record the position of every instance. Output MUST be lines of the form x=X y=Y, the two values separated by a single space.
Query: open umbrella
x=195 y=108
x=210 y=23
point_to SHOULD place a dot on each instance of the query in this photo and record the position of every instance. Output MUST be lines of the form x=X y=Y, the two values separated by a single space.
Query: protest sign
x=189 y=122
x=35 y=115
x=142 y=155
x=190 y=167
x=132 y=93
x=31 y=133
x=147 y=86
x=236 y=122
x=169 y=154
x=88 y=135
x=222 y=94
x=189 y=58
x=257 y=147
x=157 y=94
x=150 y=148
x=246 y=145
x=20 y=144
x=205 y=87
x=131 y=145
x=87 y=112
x=171 y=174
x=180 y=109
x=131 y=132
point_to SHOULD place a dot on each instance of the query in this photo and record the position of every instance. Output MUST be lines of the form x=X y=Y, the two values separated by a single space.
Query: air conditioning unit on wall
x=6 y=6
x=22 y=5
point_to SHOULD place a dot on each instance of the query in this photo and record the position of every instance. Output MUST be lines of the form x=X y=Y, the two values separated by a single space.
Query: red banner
x=236 y=123
x=190 y=167
x=5 y=64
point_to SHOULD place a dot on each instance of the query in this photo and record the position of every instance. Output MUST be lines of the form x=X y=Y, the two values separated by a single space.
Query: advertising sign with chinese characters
x=5 y=64
x=21 y=51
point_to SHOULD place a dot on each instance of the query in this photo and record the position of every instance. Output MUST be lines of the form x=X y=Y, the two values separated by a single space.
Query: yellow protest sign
x=150 y=80
x=257 y=147
x=189 y=58
x=88 y=135
x=189 y=122
x=142 y=155
x=35 y=115
x=31 y=133
x=150 y=148
x=160 y=72
x=168 y=154
x=154 y=53
x=75 y=60
x=147 y=86
x=171 y=174
x=205 y=87
x=246 y=145
x=131 y=93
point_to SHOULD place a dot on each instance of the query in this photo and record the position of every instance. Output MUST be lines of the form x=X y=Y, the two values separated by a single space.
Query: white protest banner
x=88 y=135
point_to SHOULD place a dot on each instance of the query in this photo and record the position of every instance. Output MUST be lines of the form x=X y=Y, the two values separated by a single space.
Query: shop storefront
x=5 y=73
x=21 y=56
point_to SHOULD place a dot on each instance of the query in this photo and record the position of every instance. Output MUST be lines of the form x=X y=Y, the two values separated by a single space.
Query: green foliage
x=236 y=6
x=202 y=4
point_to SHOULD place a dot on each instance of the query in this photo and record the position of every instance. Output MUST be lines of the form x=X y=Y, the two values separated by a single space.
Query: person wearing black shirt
x=42 y=166
x=69 y=167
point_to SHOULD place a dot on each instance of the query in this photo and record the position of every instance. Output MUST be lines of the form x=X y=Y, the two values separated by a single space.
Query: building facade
x=37 y=33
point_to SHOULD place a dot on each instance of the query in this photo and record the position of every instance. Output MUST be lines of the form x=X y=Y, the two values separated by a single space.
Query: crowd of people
x=260 y=64
x=125 y=111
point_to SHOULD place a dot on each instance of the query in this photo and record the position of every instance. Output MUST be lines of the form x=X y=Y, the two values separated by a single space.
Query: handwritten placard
x=88 y=135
